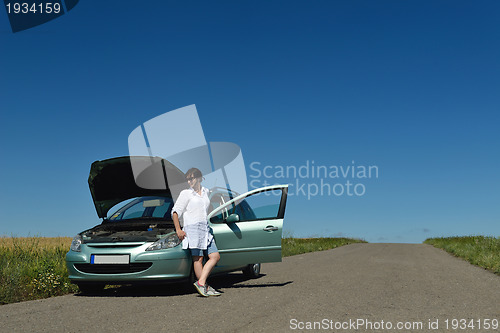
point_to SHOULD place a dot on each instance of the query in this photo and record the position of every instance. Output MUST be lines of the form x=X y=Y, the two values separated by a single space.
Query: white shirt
x=193 y=208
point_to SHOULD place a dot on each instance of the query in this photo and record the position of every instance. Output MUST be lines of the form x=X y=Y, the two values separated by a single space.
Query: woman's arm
x=178 y=209
x=180 y=233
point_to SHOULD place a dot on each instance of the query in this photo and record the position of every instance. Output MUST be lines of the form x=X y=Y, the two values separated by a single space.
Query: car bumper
x=143 y=266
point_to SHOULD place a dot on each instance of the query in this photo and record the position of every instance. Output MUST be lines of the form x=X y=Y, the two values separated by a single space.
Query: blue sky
x=410 y=87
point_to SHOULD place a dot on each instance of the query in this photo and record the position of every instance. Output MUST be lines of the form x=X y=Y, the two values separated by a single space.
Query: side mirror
x=232 y=218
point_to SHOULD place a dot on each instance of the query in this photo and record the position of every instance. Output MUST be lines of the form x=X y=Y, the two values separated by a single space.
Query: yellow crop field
x=38 y=243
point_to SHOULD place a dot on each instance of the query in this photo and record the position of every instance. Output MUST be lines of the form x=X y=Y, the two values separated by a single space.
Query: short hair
x=195 y=172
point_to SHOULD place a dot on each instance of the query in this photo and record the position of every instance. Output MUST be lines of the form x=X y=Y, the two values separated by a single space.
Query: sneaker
x=211 y=291
x=202 y=290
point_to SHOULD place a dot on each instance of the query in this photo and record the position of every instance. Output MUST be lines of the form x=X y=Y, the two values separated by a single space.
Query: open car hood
x=112 y=181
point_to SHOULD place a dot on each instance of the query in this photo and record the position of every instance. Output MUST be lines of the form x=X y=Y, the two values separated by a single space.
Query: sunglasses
x=190 y=178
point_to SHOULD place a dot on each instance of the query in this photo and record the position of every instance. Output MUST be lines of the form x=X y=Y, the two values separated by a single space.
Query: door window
x=263 y=205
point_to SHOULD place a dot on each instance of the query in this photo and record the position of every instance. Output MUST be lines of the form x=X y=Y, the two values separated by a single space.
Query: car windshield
x=151 y=207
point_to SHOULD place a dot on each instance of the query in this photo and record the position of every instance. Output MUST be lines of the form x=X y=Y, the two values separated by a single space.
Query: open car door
x=247 y=229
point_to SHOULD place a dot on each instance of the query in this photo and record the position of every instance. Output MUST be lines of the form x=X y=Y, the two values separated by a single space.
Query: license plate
x=110 y=259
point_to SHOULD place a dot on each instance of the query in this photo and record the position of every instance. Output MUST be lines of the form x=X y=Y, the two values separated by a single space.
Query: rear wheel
x=252 y=271
x=91 y=288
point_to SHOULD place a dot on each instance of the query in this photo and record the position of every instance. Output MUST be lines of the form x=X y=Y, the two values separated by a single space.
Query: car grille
x=113 y=268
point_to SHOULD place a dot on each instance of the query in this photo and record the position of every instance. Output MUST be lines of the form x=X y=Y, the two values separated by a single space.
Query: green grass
x=292 y=246
x=478 y=250
x=33 y=268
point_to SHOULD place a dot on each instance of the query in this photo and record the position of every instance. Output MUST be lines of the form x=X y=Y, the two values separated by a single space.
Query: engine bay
x=136 y=231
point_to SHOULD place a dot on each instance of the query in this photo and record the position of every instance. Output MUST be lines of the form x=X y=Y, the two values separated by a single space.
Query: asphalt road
x=360 y=287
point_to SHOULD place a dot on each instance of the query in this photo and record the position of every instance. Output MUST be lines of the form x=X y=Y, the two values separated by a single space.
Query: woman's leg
x=213 y=258
x=197 y=266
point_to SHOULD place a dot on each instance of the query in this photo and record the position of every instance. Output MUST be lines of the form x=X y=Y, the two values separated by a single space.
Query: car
x=137 y=242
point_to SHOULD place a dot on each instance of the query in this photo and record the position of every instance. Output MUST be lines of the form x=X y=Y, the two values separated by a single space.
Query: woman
x=192 y=204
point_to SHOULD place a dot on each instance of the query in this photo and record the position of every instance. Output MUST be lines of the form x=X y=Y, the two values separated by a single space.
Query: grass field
x=292 y=246
x=34 y=267
x=478 y=250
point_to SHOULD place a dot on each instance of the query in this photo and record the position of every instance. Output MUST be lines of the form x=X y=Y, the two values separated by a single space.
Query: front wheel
x=252 y=271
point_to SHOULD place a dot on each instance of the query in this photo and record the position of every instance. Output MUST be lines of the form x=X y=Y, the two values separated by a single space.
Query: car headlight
x=76 y=244
x=165 y=243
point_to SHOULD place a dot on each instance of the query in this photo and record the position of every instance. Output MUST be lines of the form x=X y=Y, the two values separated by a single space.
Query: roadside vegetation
x=481 y=251
x=291 y=246
x=34 y=267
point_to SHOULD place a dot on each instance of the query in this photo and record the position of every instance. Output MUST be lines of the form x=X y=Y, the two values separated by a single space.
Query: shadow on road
x=237 y=281
x=232 y=280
